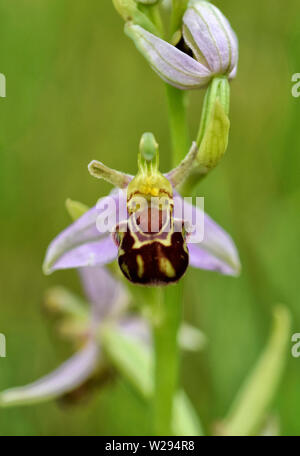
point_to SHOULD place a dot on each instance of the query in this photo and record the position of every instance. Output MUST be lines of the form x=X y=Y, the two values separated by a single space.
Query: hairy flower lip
x=207 y=33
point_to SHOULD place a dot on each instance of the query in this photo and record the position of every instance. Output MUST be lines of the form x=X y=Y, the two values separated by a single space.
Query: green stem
x=178 y=123
x=157 y=20
x=153 y=13
x=166 y=323
x=168 y=305
x=179 y=7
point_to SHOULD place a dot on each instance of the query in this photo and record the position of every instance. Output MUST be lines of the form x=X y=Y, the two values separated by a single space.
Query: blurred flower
x=90 y=368
x=207 y=34
x=108 y=300
x=82 y=245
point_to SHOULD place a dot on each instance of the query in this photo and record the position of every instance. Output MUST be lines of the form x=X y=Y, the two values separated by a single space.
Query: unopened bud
x=214 y=129
x=208 y=35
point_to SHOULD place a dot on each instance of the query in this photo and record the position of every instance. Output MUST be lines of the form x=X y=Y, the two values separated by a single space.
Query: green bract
x=129 y=10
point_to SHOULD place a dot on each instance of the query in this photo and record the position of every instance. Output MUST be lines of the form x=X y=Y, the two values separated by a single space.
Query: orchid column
x=202 y=51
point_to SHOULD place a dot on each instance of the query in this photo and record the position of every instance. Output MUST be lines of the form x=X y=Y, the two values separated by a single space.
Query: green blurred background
x=77 y=90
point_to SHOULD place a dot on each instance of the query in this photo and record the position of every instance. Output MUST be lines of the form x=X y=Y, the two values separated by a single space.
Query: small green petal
x=75 y=209
x=101 y=171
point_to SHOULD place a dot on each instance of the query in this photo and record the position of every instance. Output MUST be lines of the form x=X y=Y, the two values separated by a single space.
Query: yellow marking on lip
x=125 y=269
x=140 y=265
x=185 y=248
x=155 y=237
x=166 y=267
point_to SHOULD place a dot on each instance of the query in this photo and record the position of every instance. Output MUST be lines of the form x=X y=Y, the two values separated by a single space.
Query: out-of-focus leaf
x=185 y=419
x=135 y=362
x=271 y=427
x=131 y=358
x=257 y=393
x=191 y=338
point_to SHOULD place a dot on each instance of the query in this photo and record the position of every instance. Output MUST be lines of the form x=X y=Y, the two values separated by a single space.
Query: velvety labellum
x=151 y=247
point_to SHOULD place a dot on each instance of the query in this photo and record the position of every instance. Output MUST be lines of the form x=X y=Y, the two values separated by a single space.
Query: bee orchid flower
x=118 y=227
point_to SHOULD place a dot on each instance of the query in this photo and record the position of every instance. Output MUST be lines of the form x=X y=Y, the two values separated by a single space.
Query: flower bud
x=209 y=36
x=214 y=129
x=212 y=140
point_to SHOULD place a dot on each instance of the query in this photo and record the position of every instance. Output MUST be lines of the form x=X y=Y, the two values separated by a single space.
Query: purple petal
x=233 y=73
x=96 y=253
x=201 y=259
x=86 y=242
x=107 y=295
x=67 y=377
x=210 y=247
x=171 y=64
x=209 y=34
